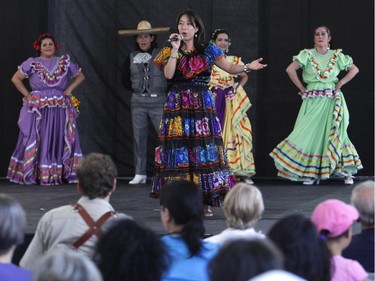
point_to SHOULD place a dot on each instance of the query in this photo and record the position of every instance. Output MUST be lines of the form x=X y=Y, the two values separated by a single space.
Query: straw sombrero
x=144 y=27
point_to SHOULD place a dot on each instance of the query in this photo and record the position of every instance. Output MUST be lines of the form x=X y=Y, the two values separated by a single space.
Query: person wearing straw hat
x=149 y=87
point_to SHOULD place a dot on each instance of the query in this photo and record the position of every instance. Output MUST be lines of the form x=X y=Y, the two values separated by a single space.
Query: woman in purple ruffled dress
x=48 y=149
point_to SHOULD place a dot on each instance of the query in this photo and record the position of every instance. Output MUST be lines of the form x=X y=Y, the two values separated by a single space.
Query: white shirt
x=62 y=226
x=231 y=234
x=277 y=275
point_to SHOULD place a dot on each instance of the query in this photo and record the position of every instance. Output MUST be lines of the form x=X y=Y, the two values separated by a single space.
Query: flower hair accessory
x=216 y=33
x=37 y=42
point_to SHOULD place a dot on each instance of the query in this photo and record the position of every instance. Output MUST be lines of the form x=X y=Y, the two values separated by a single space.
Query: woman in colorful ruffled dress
x=191 y=145
x=319 y=146
x=48 y=149
x=232 y=104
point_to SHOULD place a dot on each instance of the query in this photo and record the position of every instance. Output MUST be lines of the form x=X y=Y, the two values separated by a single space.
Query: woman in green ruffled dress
x=319 y=146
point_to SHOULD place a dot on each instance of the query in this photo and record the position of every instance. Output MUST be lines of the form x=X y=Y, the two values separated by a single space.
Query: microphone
x=179 y=36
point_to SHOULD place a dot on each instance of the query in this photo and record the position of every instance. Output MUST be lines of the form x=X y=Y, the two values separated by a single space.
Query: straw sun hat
x=144 y=27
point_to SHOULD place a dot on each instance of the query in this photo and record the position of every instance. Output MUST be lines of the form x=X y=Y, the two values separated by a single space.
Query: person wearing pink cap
x=333 y=220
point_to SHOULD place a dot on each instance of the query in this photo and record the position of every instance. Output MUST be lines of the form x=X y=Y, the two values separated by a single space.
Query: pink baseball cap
x=334 y=216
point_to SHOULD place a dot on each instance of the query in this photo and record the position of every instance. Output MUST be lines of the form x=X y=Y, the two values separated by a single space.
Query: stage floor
x=280 y=197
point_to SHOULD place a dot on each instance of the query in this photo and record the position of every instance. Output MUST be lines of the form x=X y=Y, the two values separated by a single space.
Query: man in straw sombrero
x=149 y=88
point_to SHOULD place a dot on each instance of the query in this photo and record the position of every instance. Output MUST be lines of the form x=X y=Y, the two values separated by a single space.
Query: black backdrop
x=273 y=29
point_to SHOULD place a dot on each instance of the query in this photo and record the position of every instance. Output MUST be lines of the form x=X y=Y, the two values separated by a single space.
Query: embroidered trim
x=54 y=77
x=322 y=75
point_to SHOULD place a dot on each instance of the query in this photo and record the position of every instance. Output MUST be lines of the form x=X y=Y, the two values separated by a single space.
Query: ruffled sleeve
x=212 y=53
x=343 y=62
x=302 y=57
x=26 y=68
x=162 y=57
x=73 y=69
x=235 y=60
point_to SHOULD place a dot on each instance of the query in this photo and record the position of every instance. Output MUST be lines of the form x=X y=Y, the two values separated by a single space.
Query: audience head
x=363 y=199
x=64 y=264
x=12 y=223
x=181 y=206
x=96 y=175
x=277 y=275
x=127 y=251
x=243 y=206
x=334 y=218
x=305 y=254
x=241 y=260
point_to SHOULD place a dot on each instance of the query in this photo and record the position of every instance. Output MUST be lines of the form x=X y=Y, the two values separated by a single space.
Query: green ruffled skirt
x=319 y=146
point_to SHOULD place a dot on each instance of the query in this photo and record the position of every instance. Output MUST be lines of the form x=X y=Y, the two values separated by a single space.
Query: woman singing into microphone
x=191 y=146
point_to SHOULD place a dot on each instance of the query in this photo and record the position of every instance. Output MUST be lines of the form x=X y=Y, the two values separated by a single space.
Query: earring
x=195 y=35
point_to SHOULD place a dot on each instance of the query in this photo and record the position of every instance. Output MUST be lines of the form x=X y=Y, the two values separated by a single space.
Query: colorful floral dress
x=48 y=148
x=319 y=146
x=232 y=104
x=191 y=145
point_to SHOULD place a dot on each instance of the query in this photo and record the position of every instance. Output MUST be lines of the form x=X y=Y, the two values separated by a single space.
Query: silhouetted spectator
x=240 y=260
x=12 y=232
x=66 y=265
x=298 y=240
x=362 y=246
x=129 y=252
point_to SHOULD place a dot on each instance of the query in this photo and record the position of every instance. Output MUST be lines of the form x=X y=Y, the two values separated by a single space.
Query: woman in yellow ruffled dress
x=232 y=104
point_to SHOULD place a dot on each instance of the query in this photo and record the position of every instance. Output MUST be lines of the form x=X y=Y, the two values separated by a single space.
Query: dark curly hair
x=129 y=252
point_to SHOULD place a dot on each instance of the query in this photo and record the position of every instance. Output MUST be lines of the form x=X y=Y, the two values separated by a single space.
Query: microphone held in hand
x=179 y=36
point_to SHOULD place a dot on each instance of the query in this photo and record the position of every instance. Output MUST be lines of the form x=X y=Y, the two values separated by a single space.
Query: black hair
x=154 y=43
x=183 y=200
x=37 y=44
x=199 y=39
x=129 y=252
x=305 y=253
x=240 y=260
x=217 y=32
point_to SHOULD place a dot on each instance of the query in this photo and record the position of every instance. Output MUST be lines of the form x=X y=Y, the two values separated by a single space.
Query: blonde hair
x=243 y=206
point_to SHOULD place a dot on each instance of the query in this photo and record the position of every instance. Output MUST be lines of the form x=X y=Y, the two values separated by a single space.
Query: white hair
x=64 y=264
x=363 y=199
